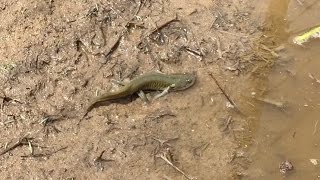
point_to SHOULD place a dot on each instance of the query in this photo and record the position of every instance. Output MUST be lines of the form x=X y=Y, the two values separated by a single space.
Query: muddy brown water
x=291 y=133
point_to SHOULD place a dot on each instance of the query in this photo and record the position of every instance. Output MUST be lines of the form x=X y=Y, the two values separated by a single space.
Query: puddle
x=291 y=133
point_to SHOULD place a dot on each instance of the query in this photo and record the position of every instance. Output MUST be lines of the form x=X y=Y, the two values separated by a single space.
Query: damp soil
x=57 y=55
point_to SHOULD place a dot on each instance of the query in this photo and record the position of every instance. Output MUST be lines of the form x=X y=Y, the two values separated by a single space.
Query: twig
x=299 y=2
x=278 y=104
x=273 y=53
x=315 y=127
x=197 y=151
x=163 y=25
x=105 y=54
x=194 y=52
x=163 y=157
x=8 y=99
x=219 y=47
x=100 y=156
x=162 y=142
x=100 y=159
x=141 y=3
x=98 y=162
x=102 y=35
x=30 y=147
x=22 y=141
x=45 y=154
x=311 y=76
x=138 y=9
x=233 y=34
x=50 y=119
x=229 y=120
x=223 y=92
x=113 y=48
x=159 y=114
x=226 y=95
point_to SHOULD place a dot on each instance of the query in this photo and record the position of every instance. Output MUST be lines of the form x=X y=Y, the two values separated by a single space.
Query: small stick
x=229 y=120
x=311 y=76
x=219 y=47
x=30 y=147
x=163 y=157
x=194 y=52
x=99 y=161
x=50 y=119
x=100 y=156
x=223 y=92
x=278 y=104
x=102 y=34
x=300 y=3
x=106 y=54
x=315 y=128
x=113 y=48
x=164 y=25
x=233 y=34
x=141 y=3
x=226 y=95
x=162 y=142
x=44 y=154
x=22 y=141
x=197 y=151
x=159 y=114
x=138 y=9
x=264 y=47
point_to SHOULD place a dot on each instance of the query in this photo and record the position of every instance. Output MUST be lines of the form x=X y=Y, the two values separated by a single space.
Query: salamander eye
x=188 y=81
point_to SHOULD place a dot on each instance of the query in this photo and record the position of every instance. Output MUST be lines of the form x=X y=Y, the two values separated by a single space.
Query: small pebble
x=285 y=166
x=314 y=161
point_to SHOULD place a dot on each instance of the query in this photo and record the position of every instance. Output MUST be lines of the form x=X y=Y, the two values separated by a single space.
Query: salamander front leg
x=143 y=96
x=164 y=92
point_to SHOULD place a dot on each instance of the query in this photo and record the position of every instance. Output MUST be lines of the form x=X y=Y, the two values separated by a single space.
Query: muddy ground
x=56 y=55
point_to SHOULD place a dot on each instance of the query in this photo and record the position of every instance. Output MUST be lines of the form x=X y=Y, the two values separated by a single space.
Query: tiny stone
x=314 y=161
x=285 y=166
x=229 y=105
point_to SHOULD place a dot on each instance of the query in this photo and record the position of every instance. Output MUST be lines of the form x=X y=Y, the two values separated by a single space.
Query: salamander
x=148 y=81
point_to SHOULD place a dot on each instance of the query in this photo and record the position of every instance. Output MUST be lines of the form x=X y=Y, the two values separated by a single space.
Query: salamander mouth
x=190 y=82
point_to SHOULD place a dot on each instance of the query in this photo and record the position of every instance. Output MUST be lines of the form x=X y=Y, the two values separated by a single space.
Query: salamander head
x=183 y=81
